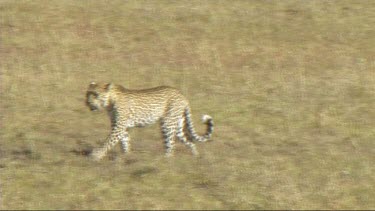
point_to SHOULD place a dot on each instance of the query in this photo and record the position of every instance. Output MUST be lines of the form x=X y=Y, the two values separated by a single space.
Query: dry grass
x=290 y=84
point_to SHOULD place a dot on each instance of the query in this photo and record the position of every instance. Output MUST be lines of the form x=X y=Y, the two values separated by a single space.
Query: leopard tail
x=206 y=119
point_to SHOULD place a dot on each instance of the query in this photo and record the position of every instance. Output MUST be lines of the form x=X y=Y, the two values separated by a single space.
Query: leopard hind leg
x=181 y=136
x=170 y=124
x=168 y=128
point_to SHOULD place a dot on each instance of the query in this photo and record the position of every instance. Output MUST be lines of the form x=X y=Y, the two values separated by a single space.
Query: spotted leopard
x=137 y=108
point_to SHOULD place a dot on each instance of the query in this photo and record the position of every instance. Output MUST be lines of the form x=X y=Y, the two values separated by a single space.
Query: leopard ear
x=109 y=86
x=92 y=84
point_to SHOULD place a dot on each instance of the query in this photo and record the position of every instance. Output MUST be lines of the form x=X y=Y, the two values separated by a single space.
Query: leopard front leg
x=124 y=138
x=112 y=140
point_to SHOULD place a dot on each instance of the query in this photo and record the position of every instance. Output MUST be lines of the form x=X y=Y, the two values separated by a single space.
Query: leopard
x=130 y=108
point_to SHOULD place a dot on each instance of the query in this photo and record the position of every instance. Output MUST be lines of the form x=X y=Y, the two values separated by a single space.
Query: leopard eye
x=94 y=94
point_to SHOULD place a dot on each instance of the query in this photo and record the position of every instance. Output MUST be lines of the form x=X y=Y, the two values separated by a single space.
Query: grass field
x=290 y=85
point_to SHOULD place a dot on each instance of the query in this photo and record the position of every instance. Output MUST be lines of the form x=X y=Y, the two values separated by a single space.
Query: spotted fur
x=138 y=108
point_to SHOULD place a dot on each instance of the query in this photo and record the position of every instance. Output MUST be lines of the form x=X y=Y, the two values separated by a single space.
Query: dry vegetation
x=290 y=84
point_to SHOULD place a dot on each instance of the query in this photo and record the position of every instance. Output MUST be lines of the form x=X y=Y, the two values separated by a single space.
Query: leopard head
x=98 y=96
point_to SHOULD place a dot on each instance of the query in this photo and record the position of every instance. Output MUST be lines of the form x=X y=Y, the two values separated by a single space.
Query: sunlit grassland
x=290 y=85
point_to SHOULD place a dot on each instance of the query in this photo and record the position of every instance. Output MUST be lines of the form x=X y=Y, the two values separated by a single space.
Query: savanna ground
x=290 y=85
